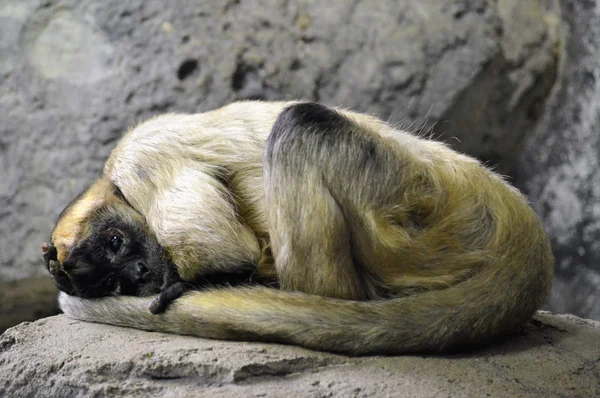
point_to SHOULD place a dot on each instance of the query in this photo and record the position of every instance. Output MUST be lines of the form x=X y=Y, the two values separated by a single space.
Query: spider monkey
x=372 y=240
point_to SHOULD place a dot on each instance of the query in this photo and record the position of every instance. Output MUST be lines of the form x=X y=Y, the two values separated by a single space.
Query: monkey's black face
x=117 y=257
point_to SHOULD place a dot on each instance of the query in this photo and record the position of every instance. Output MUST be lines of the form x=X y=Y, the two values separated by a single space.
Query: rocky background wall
x=560 y=164
x=509 y=81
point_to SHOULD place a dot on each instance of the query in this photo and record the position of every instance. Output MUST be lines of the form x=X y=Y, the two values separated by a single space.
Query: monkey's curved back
x=355 y=210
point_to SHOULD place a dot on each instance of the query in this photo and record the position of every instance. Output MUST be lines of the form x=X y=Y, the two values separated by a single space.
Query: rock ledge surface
x=555 y=355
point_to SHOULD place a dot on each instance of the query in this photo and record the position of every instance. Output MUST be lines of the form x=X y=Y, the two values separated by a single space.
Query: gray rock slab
x=559 y=166
x=74 y=75
x=59 y=357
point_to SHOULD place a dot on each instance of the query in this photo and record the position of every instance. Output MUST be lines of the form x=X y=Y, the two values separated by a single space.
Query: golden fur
x=381 y=241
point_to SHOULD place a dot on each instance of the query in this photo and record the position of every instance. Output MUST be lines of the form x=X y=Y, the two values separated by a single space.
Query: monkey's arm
x=173 y=287
x=189 y=209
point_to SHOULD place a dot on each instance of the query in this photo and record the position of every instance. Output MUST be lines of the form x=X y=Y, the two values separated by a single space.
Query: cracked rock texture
x=560 y=163
x=74 y=74
x=60 y=357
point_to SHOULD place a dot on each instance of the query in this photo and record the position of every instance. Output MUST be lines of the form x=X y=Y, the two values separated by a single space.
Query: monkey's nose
x=141 y=271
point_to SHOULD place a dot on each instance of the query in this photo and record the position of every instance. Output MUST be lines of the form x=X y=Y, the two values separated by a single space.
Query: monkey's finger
x=156 y=306
x=49 y=252
x=170 y=294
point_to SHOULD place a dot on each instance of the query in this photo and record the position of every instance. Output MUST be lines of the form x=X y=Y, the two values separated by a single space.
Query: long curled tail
x=492 y=303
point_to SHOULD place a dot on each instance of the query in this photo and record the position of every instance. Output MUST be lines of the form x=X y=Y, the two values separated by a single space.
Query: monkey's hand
x=166 y=297
x=172 y=288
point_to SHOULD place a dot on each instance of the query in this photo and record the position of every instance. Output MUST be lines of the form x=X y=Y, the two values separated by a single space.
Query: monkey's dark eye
x=115 y=243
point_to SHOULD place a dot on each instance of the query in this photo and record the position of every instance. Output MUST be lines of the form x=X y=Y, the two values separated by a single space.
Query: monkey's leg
x=312 y=242
x=316 y=161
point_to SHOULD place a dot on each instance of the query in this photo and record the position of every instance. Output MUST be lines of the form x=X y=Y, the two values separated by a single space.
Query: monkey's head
x=101 y=246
